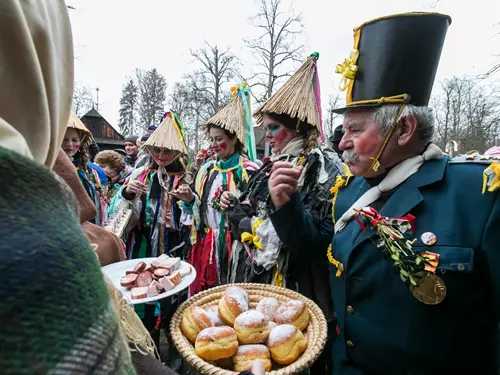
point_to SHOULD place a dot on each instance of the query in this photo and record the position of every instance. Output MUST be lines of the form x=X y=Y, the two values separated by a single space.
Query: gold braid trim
x=340 y=182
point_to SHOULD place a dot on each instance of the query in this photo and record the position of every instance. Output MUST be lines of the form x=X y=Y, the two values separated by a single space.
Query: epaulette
x=476 y=159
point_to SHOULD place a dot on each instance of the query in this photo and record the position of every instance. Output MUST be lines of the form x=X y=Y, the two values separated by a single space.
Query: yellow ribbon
x=234 y=90
x=348 y=69
x=491 y=177
x=252 y=237
x=278 y=277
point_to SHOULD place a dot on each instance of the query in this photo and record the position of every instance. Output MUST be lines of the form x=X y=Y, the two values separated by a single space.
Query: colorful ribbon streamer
x=317 y=95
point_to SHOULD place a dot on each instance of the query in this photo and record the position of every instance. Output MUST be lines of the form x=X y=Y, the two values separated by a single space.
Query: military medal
x=430 y=290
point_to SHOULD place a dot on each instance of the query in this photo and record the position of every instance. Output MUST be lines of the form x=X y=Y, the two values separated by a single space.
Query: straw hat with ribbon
x=299 y=97
x=169 y=135
x=85 y=134
x=236 y=117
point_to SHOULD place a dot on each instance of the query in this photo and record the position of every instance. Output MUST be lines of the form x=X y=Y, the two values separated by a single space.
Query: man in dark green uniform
x=417 y=234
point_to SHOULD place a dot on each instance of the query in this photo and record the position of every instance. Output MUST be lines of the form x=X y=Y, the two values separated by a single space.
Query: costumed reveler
x=415 y=250
x=116 y=171
x=157 y=226
x=75 y=144
x=228 y=131
x=292 y=120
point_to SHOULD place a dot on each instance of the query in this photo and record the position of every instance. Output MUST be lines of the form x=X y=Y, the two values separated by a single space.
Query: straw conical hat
x=297 y=97
x=231 y=117
x=75 y=123
x=167 y=135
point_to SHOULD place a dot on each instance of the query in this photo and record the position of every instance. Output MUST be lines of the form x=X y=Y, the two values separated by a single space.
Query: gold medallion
x=430 y=290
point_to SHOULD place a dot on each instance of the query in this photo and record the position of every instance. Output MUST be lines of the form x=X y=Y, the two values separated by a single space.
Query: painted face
x=163 y=156
x=220 y=143
x=363 y=138
x=277 y=134
x=71 y=142
x=131 y=148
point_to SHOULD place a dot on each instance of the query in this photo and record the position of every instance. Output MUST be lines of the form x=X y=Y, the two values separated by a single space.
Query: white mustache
x=350 y=156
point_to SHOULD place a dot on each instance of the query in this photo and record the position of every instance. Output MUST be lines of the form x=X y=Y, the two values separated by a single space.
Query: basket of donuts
x=221 y=330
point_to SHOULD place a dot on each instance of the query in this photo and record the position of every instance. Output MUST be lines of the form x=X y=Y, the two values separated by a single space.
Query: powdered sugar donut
x=268 y=307
x=293 y=312
x=251 y=327
x=286 y=343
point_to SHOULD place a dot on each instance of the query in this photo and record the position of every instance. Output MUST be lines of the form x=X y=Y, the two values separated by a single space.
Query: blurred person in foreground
x=59 y=319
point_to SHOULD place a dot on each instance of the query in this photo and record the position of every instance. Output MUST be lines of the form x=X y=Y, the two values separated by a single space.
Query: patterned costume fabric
x=56 y=317
x=211 y=239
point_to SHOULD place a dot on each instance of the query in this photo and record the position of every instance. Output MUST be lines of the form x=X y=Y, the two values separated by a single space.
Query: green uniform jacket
x=384 y=329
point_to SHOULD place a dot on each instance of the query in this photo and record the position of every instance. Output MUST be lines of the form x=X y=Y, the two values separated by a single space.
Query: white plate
x=116 y=271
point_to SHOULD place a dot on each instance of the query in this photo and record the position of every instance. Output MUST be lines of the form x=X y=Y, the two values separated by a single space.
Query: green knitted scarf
x=55 y=311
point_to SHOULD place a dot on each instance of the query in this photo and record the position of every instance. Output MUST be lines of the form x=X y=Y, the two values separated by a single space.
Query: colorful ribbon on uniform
x=375 y=218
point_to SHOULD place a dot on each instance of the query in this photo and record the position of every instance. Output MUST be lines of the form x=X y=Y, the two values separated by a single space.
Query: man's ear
x=407 y=127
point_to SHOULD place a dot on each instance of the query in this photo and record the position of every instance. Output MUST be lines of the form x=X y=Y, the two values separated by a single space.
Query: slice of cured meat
x=129 y=280
x=141 y=266
x=144 y=279
x=175 y=278
x=186 y=271
x=166 y=284
x=130 y=271
x=138 y=293
x=161 y=272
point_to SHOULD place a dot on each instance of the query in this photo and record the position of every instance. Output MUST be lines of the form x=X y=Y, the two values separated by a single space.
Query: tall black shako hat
x=394 y=60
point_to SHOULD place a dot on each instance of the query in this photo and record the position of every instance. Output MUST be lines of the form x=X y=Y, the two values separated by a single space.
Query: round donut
x=232 y=305
x=251 y=327
x=268 y=307
x=236 y=290
x=248 y=353
x=286 y=343
x=213 y=314
x=294 y=312
x=272 y=325
x=216 y=343
x=194 y=320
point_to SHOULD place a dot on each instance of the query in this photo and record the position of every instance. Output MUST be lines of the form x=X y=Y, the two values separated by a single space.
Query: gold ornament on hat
x=348 y=69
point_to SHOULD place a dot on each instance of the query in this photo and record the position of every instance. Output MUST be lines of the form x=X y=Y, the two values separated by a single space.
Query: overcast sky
x=114 y=37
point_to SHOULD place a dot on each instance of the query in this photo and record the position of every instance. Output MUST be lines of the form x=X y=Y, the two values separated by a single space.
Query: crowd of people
x=393 y=239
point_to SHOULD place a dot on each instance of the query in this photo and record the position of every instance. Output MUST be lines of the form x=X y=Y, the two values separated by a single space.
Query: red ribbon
x=375 y=218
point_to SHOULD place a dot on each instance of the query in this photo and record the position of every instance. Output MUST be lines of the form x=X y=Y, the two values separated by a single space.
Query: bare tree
x=193 y=109
x=82 y=99
x=211 y=81
x=468 y=112
x=495 y=68
x=331 y=119
x=276 y=47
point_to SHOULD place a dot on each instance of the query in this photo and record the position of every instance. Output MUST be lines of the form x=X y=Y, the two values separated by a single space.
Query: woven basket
x=315 y=333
